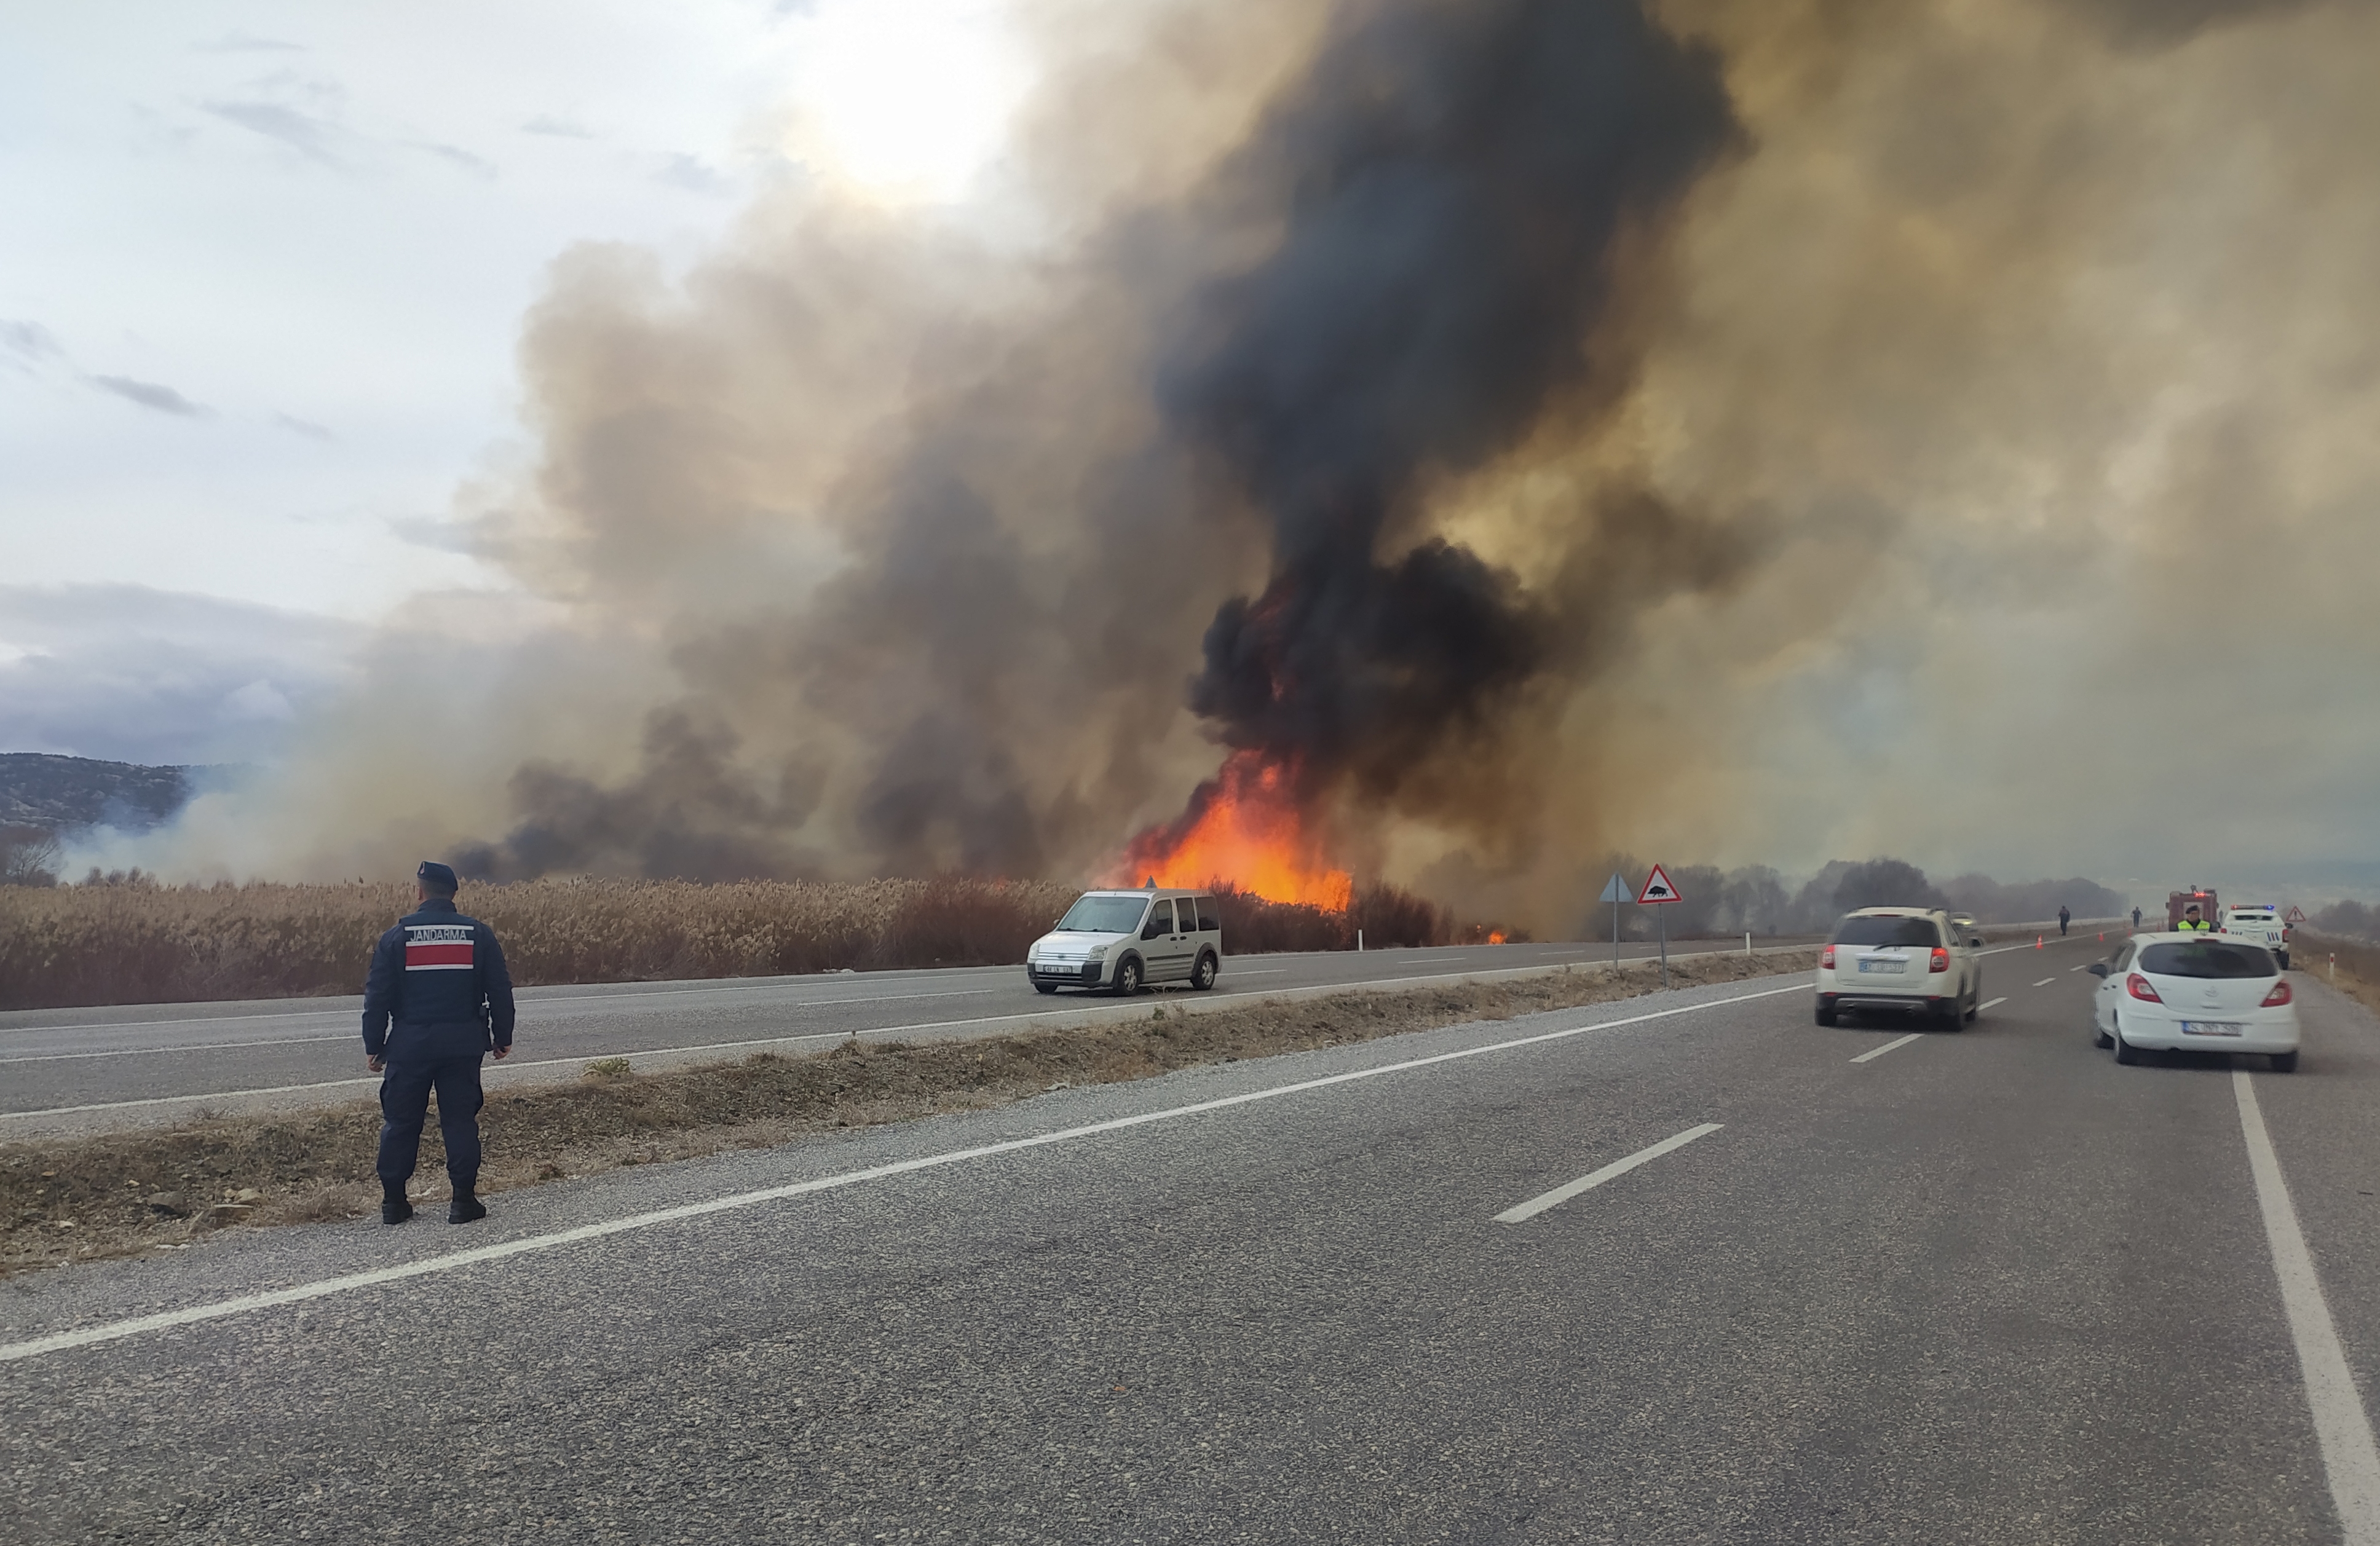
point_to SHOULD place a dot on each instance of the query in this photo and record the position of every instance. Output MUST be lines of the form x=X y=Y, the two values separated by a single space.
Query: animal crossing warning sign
x=1657 y=889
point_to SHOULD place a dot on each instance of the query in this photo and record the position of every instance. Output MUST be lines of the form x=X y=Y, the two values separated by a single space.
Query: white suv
x=1901 y=961
x=1121 y=940
x=2259 y=923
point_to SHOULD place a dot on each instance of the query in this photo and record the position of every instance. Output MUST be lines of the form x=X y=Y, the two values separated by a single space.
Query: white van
x=2259 y=923
x=1121 y=940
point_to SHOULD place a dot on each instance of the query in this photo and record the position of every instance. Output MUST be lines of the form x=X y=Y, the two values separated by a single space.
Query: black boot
x=394 y=1208
x=467 y=1209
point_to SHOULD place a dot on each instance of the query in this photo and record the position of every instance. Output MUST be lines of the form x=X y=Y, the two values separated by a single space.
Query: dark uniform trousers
x=405 y=1090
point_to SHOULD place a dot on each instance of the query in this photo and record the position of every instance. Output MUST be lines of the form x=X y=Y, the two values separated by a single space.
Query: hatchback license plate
x=1886 y=965
x=2212 y=1028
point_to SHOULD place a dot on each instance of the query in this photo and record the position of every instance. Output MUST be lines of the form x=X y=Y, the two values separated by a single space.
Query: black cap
x=437 y=876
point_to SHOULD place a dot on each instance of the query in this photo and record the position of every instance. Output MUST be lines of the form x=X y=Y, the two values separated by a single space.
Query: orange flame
x=1244 y=829
x=1496 y=938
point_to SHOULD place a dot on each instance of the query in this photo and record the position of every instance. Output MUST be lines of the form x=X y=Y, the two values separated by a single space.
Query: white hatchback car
x=1120 y=940
x=2194 y=993
x=1901 y=960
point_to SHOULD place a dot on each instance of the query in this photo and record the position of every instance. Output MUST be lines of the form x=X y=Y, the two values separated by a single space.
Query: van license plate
x=2212 y=1028
x=1883 y=964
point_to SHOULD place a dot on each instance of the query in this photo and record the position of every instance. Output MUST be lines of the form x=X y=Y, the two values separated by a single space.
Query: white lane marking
x=523 y=999
x=357 y=1035
x=2081 y=966
x=1592 y=1180
x=1988 y=1003
x=1888 y=1046
x=2044 y=981
x=115 y=1330
x=1038 y=1015
x=2339 y=1424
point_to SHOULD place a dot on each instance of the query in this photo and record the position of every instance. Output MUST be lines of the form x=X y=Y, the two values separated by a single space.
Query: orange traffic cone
x=2103 y=936
x=2036 y=942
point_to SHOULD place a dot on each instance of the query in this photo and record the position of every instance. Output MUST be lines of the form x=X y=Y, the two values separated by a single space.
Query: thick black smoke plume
x=1455 y=179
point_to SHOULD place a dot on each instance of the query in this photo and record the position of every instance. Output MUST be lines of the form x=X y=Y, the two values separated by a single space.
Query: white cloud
x=137 y=675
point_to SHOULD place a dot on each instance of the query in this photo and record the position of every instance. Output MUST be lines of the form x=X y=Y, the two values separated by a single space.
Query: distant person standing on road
x=2136 y=920
x=2063 y=918
x=437 y=998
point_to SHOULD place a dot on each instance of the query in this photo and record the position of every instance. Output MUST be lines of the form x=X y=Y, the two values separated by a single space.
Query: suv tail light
x=2279 y=995
x=2139 y=987
x=1941 y=960
x=1826 y=957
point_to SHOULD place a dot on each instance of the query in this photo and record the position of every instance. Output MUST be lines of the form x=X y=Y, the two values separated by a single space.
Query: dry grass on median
x=81 y=1199
x=2353 y=966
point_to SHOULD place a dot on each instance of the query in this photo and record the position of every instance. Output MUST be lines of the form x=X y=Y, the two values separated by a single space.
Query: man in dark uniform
x=2063 y=917
x=440 y=977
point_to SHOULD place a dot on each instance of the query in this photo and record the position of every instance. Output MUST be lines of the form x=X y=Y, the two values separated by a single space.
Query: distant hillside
x=62 y=793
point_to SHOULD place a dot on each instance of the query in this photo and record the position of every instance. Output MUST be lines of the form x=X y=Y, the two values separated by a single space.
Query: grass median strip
x=64 y=1200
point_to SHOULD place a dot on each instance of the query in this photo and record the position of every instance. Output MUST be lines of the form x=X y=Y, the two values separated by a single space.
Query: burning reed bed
x=141 y=943
x=64 y=1200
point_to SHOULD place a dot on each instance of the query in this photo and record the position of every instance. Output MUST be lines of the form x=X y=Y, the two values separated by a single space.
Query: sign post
x=1615 y=891
x=1658 y=890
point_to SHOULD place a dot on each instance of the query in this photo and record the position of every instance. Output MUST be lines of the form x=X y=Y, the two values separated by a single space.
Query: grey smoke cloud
x=1874 y=472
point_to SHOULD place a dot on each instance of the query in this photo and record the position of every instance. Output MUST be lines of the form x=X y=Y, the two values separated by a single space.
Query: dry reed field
x=141 y=943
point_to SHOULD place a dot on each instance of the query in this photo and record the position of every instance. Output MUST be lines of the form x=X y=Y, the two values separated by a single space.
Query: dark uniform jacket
x=441 y=977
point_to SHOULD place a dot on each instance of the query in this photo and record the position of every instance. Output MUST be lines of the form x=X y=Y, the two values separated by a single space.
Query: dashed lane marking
x=2044 y=981
x=1888 y=1046
x=1988 y=1003
x=1595 y=1178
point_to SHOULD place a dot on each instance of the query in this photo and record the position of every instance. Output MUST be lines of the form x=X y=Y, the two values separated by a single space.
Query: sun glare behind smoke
x=904 y=101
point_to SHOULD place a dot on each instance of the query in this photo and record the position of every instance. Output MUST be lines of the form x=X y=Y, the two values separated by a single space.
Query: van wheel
x=1045 y=988
x=1127 y=981
x=1202 y=976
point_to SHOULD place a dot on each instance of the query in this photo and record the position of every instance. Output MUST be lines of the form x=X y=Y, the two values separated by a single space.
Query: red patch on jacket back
x=437 y=948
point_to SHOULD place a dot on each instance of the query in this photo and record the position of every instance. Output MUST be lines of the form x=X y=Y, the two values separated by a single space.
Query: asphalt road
x=1983 y=1286
x=94 y=1068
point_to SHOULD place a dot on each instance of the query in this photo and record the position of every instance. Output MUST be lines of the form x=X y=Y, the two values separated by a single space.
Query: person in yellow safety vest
x=2190 y=920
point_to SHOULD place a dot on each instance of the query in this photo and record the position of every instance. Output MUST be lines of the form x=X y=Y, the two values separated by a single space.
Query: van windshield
x=1105 y=915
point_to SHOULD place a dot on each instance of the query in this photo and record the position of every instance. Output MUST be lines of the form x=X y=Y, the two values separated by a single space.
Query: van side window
x=1209 y=919
x=1160 y=919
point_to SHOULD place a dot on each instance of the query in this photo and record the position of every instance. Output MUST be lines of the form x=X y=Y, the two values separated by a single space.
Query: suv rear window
x=2207 y=958
x=1886 y=931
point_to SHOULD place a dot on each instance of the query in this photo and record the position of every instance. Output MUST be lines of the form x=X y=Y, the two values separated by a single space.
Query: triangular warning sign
x=1657 y=889
x=2297 y=915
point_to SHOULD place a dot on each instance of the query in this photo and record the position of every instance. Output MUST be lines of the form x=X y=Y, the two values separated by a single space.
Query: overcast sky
x=266 y=269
